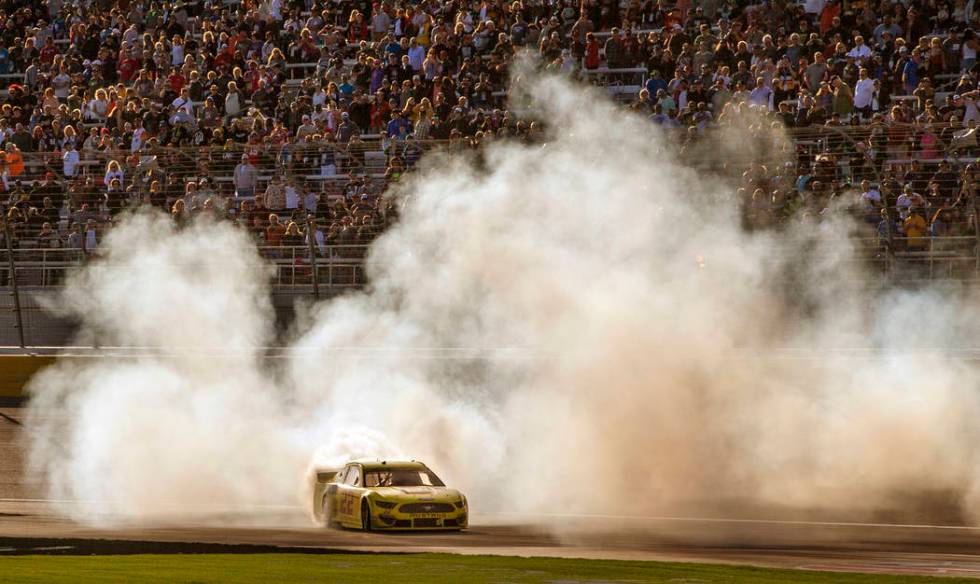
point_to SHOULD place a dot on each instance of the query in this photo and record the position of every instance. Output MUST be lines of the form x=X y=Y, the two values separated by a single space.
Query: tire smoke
x=579 y=325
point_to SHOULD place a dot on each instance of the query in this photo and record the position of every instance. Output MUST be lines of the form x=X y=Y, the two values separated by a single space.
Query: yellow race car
x=387 y=495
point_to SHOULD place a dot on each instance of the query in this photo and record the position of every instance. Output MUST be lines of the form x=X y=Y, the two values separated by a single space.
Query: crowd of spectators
x=272 y=113
x=905 y=205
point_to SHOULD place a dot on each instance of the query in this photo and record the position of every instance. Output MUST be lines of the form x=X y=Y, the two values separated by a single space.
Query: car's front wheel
x=365 y=516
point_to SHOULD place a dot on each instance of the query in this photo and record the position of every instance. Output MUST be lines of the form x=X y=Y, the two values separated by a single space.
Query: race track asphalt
x=29 y=524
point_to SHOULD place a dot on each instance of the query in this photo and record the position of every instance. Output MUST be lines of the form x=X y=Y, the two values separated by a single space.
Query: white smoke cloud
x=540 y=330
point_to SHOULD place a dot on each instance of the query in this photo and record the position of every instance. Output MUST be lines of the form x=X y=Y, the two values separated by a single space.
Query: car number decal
x=347 y=504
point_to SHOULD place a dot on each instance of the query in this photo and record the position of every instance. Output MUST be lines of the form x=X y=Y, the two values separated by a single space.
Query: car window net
x=402 y=478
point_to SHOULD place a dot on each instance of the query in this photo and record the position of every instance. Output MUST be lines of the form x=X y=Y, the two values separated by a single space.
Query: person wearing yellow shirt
x=916 y=230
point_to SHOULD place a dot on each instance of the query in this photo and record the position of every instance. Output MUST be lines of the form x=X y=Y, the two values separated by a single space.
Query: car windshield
x=402 y=477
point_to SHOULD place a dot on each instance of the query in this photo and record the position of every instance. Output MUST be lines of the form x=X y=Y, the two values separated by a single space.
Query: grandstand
x=292 y=119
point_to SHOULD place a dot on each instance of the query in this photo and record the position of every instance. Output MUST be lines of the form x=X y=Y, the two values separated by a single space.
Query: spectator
x=75 y=239
x=275 y=194
x=90 y=239
x=292 y=236
x=416 y=54
x=85 y=214
x=179 y=214
x=47 y=237
x=113 y=171
x=398 y=127
x=871 y=202
x=861 y=52
x=233 y=101
x=347 y=129
x=97 y=108
x=864 y=91
x=14 y=162
x=760 y=96
x=274 y=232
x=615 y=50
x=592 y=59
x=245 y=179
x=969 y=47
x=49 y=212
x=910 y=72
x=291 y=192
x=843 y=99
x=916 y=230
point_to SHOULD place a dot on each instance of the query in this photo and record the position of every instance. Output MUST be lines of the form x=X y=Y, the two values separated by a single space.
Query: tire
x=317 y=507
x=326 y=514
x=365 y=516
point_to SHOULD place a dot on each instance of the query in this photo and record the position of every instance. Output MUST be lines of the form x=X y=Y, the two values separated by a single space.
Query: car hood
x=418 y=493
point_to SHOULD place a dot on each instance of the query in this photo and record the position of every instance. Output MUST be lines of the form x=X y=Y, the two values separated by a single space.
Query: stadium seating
x=330 y=102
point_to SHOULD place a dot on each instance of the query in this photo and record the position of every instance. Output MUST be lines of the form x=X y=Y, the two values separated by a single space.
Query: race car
x=387 y=495
x=321 y=477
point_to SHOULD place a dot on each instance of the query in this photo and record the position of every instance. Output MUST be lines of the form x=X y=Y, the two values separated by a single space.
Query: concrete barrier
x=16 y=370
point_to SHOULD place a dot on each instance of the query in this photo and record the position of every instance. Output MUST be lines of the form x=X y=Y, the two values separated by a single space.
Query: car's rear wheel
x=365 y=516
x=326 y=513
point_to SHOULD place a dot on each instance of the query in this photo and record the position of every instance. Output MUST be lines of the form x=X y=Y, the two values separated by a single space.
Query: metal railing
x=931 y=258
x=341 y=266
x=370 y=154
x=325 y=270
x=901 y=259
x=330 y=267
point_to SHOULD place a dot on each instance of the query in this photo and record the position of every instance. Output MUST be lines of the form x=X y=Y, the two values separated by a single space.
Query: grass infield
x=398 y=568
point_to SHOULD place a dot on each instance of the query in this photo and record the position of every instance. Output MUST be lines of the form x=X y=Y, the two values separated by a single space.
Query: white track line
x=734 y=520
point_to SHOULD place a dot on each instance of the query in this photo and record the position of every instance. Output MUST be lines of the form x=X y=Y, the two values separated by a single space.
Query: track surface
x=28 y=524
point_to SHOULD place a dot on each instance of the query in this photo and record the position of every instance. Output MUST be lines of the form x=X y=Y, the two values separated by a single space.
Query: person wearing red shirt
x=307 y=46
x=253 y=77
x=380 y=112
x=357 y=28
x=128 y=64
x=830 y=11
x=592 y=59
x=48 y=51
x=176 y=81
x=227 y=55
x=128 y=68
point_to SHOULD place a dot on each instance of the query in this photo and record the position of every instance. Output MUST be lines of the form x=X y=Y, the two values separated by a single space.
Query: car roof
x=381 y=464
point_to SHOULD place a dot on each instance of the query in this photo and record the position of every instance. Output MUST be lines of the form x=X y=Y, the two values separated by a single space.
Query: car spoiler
x=324 y=476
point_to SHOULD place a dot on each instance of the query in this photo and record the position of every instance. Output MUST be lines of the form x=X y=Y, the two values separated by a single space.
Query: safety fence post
x=13 y=281
x=311 y=240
